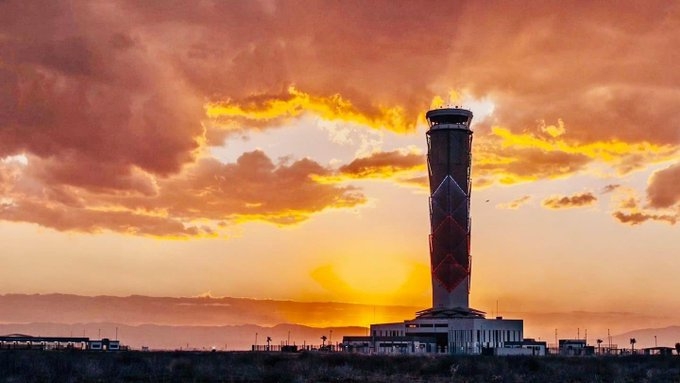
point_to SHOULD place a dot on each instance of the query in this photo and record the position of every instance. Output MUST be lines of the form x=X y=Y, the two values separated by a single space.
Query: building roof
x=446 y=313
x=37 y=339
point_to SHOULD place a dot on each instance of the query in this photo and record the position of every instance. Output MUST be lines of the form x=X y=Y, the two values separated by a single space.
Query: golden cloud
x=516 y=165
x=637 y=218
x=515 y=204
x=383 y=165
x=566 y=202
x=274 y=109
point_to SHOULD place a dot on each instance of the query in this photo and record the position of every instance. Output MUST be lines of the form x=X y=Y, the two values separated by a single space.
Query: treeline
x=63 y=366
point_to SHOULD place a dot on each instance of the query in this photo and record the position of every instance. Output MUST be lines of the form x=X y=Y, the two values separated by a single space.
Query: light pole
x=632 y=345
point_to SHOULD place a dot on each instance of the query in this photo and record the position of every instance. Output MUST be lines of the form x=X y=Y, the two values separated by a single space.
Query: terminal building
x=450 y=326
x=29 y=342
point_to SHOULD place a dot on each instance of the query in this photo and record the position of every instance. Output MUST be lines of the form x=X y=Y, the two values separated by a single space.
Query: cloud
x=610 y=188
x=637 y=218
x=67 y=218
x=273 y=110
x=509 y=158
x=515 y=204
x=662 y=202
x=401 y=166
x=383 y=164
x=567 y=202
x=192 y=204
x=254 y=188
x=72 y=98
x=418 y=181
x=513 y=165
x=663 y=190
x=115 y=103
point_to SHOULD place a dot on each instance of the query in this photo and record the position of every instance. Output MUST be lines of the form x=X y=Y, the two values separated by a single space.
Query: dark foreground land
x=55 y=366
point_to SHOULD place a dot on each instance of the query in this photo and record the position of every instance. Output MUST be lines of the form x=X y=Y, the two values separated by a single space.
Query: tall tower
x=449 y=142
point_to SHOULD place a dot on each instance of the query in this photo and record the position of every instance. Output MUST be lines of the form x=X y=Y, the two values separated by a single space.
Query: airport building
x=28 y=342
x=450 y=326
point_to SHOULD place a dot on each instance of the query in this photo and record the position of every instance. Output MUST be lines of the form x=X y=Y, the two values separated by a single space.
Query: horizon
x=190 y=312
x=173 y=150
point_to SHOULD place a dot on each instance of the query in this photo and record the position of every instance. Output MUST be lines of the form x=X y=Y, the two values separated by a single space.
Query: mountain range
x=232 y=323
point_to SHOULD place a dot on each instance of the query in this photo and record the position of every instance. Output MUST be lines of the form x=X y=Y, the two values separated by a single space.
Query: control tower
x=450 y=326
x=449 y=143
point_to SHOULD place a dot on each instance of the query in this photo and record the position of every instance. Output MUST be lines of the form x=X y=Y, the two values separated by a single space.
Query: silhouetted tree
x=323 y=341
x=599 y=342
x=632 y=345
x=677 y=348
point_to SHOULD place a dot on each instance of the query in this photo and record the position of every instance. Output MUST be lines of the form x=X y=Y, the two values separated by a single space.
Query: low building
x=21 y=341
x=575 y=347
x=389 y=344
x=524 y=347
x=666 y=351
x=453 y=335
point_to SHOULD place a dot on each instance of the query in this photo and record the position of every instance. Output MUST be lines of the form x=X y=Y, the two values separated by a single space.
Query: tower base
x=444 y=331
x=450 y=313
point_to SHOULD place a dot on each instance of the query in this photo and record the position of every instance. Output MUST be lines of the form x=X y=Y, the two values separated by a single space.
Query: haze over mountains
x=201 y=311
x=231 y=323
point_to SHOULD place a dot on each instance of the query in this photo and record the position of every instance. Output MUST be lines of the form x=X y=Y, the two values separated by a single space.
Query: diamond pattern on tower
x=461 y=255
x=437 y=214
x=450 y=273
x=448 y=165
x=460 y=215
x=449 y=242
x=449 y=234
x=449 y=195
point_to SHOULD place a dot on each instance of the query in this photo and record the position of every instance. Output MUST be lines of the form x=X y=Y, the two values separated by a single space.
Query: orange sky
x=276 y=149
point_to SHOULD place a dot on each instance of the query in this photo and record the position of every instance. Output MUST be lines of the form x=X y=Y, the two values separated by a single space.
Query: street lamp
x=632 y=345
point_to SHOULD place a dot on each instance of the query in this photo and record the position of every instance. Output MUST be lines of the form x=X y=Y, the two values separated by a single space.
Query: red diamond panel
x=450 y=273
x=448 y=235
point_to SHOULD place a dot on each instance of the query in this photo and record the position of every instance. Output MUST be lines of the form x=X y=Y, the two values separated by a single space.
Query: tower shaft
x=449 y=141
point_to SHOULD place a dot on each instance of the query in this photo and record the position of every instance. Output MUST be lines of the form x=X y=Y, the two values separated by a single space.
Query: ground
x=53 y=366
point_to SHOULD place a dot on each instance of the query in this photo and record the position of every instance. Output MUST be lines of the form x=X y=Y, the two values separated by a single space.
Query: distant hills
x=205 y=311
x=206 y=322
x=645 y=337
x=196 y=323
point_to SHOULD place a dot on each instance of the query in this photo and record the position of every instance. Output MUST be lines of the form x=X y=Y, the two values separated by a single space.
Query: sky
x=276 y=149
